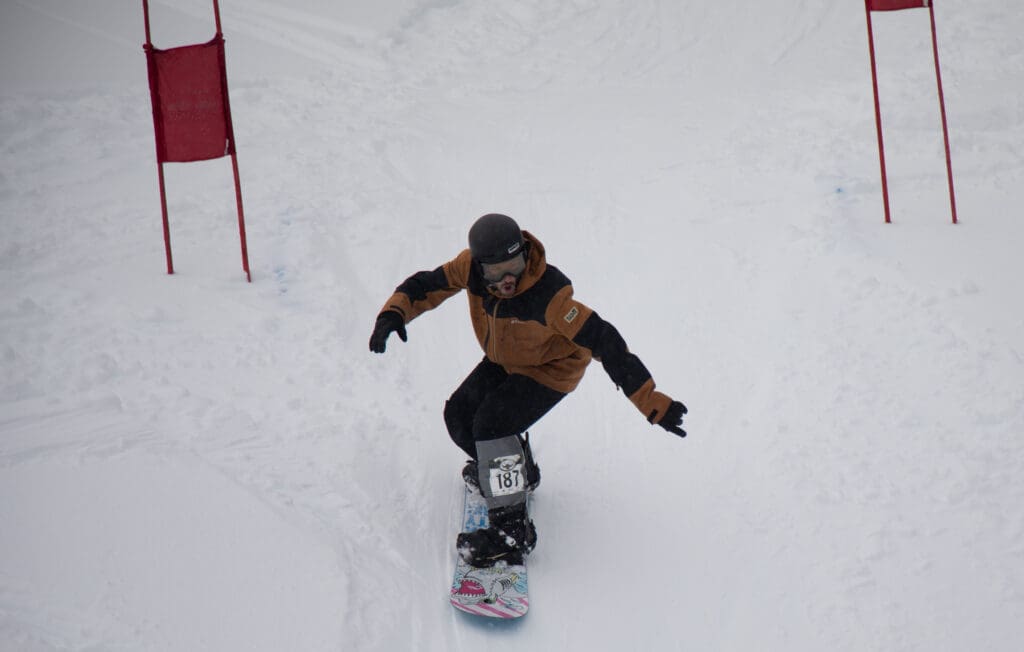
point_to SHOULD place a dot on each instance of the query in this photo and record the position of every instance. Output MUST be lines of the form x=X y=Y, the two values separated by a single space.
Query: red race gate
x=893 y=5
x=191 y=114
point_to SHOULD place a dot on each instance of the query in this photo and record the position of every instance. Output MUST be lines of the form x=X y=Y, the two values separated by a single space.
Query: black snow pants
x=492 y=403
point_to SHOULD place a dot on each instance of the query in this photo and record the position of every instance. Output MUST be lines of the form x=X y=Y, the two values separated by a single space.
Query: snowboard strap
x=502 y=468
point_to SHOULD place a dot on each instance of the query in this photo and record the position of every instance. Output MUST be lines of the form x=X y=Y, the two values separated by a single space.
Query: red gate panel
x=190 y=105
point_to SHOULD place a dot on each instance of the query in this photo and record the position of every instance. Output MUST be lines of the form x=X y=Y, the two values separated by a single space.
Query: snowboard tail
x=495 y=592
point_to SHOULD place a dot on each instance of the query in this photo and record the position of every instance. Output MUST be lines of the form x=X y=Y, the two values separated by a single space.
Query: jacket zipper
x=492 y=331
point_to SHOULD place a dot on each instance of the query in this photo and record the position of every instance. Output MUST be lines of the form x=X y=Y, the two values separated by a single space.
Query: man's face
x=506 y=287
x=503 y=277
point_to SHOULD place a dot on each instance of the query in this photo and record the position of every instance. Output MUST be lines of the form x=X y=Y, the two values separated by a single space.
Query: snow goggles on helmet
x=494 y=272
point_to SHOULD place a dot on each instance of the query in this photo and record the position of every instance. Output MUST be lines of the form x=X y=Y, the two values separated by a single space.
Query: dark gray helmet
x=495 y=238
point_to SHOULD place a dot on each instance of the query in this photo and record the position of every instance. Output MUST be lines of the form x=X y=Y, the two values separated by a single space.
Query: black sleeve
x=417 y=286
x=604 y=341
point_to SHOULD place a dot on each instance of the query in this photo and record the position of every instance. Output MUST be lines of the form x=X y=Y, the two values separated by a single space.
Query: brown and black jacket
x=541 y=332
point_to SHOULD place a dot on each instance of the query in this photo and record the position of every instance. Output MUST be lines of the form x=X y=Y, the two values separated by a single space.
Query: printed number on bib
x=507 y=475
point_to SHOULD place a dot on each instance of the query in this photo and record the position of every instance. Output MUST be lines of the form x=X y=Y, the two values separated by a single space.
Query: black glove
x=387 y=321
x=673 y=419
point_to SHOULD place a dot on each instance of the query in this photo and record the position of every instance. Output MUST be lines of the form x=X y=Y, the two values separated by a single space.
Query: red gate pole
x=878 y=112
x=145 y=15
x=216 y=15
x=241 y=218
x=232 y=150
x=167 y=225
x=148 y=47
x=942 y=110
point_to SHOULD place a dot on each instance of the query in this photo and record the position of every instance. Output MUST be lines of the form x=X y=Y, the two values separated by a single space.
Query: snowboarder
x=537 y=341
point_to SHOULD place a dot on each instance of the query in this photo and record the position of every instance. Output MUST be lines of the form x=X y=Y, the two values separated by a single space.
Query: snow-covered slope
x=191 y=462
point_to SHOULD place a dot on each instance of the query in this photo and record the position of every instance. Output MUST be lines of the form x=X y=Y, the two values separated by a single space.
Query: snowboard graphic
x=497 y=592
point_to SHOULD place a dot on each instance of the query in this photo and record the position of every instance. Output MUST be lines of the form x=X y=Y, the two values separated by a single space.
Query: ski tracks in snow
x=899 y=499
x=124 y=537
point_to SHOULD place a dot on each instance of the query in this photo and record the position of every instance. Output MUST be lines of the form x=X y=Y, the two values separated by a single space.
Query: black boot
x=510 y=537
x=471 y=474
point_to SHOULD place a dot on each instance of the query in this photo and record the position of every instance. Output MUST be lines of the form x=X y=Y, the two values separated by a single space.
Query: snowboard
x=496 y=592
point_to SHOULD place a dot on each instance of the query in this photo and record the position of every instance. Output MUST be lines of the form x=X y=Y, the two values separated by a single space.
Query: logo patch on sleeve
x=572 y=314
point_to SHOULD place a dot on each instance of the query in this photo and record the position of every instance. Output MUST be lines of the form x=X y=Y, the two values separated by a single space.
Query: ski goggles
x=494 y=272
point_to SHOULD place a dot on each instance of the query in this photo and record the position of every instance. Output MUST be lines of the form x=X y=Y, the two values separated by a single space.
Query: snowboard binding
x=510 y=537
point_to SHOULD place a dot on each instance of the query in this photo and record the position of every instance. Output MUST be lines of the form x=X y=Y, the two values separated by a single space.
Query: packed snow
x=192 y=462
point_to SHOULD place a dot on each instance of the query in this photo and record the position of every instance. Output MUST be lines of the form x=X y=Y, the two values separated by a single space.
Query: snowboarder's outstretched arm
x=628 y=372
x=417 y=294
x=587 y=329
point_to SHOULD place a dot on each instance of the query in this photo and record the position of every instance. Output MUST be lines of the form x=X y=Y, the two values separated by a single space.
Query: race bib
x=507 y=476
